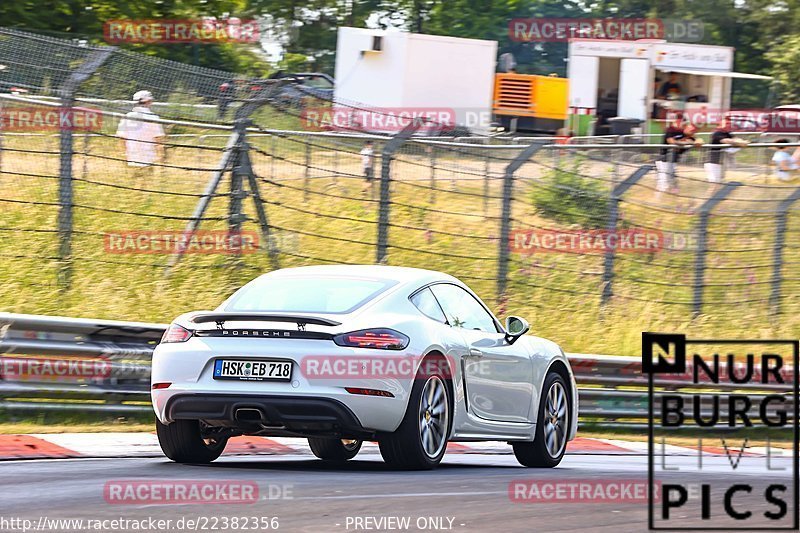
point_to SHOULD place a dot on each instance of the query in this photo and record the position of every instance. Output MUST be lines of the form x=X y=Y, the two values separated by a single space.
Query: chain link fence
x=238 y=185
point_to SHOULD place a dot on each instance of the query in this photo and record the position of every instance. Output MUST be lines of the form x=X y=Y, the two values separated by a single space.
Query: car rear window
x=306 y=294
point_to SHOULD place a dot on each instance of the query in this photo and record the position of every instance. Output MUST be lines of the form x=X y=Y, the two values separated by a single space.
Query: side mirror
x=516 y=327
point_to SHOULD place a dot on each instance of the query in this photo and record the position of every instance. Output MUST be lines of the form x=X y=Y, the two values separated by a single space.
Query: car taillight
x=380 y=338
x=176 y=333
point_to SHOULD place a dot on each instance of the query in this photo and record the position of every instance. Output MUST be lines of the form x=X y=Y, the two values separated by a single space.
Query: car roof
x=405 y=275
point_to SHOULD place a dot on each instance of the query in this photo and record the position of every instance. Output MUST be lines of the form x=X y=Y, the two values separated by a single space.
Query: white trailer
x=619 y=79
x=395 y=70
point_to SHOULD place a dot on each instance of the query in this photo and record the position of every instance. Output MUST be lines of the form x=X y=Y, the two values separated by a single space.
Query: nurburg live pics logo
x=755 y=396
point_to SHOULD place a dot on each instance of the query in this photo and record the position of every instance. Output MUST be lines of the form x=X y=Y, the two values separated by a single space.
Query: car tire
x=552 y=427
x=420 y=442
x=183 y=442
x=334 y=450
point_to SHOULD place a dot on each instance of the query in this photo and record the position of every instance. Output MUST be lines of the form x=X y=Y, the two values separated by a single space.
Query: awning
x=721 y=73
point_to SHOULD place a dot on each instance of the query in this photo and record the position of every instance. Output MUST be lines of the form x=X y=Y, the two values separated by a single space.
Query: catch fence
x=540 y=227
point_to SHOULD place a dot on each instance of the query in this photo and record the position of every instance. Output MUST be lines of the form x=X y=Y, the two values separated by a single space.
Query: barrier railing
x=54 y=363
x=58 y=364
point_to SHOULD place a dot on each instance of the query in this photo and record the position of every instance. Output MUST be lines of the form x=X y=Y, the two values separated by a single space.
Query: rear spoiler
x=219 y=318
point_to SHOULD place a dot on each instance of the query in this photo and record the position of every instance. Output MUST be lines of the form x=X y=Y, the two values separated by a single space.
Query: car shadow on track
x=352 y=466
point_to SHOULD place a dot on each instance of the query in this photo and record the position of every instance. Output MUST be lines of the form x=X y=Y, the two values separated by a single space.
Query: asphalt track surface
x=466 y=493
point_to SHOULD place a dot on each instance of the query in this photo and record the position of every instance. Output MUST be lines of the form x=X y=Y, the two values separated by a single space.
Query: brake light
x=176 y=333
x=380 y=338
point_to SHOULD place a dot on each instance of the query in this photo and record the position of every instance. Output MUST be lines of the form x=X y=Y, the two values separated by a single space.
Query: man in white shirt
x=786 y=166
x=142 y=139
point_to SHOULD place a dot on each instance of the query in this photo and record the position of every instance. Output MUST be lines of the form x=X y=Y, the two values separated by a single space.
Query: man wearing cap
x=142 y=139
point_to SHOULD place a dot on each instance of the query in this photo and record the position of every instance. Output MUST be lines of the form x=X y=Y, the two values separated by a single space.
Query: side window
x=462 y=309
x=428 y=306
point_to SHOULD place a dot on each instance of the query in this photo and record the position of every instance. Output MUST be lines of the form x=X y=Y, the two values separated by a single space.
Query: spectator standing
x=665 y=165
x=142 y=139
x=225 y=99
x=682 y=136
x=368 y=167
x=721 y=136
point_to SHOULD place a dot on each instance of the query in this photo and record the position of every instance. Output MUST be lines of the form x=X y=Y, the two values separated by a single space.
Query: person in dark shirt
x=656 y=111
x=721 y=136
x=225 y=99
x=671 y=88
x=665 y=165
x=673 y=133
x=678 y=133
x=682 y=136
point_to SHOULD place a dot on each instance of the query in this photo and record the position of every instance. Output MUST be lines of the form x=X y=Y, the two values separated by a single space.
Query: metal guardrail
x=55 y=363
x=111 y=364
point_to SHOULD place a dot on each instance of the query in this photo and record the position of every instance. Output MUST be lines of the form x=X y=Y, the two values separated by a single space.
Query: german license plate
x=252 y=370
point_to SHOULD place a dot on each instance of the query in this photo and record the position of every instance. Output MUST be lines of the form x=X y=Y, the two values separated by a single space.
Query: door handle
x=475 y=352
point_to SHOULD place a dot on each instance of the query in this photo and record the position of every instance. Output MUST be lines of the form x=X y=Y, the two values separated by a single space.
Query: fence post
x=245 y=165
x=235 y=212
x=433 y=174
x=230 y=159
x=387 y=154
x=613 y=216
x=702 y=242
x=273 y=143
x=505 y=217
x=65 y=193
x=777 y=252
x=225 y=164
x=307 y=169
x=486 y=171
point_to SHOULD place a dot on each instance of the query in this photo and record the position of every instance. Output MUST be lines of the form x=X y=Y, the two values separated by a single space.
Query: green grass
x=73 y=422
x=452 y=229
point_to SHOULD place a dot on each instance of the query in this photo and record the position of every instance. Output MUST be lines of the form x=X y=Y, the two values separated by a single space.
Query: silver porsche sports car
x=410 y=358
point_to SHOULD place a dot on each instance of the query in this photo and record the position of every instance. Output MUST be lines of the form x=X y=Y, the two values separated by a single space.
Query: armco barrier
x=56 y=363
x=110 y=371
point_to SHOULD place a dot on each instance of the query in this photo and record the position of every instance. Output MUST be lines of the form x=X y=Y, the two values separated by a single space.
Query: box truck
x=447 y=79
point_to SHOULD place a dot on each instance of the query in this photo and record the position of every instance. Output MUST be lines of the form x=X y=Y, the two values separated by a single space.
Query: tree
x=309 y=28
x=487 y=19
x=762 y=31
x=85 y=19
x=785 y=60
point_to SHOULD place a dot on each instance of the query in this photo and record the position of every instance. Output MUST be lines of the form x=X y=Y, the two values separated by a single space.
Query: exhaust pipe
x=249 y=414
